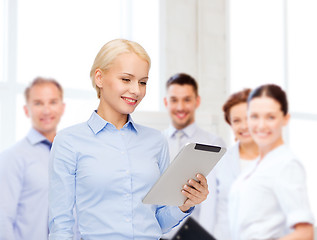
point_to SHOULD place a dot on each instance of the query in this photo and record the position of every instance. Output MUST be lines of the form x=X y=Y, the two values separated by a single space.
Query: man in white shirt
x=181 y=101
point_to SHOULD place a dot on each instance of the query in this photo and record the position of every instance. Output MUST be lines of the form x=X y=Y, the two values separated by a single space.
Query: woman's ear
x=286 y=119
x=98 y=78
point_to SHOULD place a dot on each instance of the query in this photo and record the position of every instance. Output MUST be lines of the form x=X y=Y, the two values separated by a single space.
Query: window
x=60 y=39
x=64 y=47
x=256 y=43
x=302 y=55
x=302 y=85
x=2 y=38
x=274 y=41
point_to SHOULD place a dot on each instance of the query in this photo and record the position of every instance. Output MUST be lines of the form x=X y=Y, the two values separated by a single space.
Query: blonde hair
x=110 y=51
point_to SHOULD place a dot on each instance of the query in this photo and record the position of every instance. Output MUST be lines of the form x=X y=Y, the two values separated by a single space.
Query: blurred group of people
x=88 y=181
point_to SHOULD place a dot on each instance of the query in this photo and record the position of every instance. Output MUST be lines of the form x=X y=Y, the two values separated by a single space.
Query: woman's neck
x=248 y=151
x=264 y=150
x=117 y=119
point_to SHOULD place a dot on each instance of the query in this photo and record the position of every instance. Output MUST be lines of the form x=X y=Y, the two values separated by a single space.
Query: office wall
x=193 y=40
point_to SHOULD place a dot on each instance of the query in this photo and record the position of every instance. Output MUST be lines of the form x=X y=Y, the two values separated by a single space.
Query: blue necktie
x=47 y=143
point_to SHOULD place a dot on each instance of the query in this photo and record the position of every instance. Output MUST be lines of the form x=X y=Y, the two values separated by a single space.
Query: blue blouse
x=105 y=173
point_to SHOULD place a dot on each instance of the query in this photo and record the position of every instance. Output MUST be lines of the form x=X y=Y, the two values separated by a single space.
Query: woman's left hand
x=195 y=191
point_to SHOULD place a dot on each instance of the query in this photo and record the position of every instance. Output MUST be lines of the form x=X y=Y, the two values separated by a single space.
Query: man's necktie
x=47 y=143
x=179 y=135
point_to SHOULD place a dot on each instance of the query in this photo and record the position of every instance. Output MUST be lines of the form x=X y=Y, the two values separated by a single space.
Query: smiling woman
x=106 y=165
x=280 y=50
x=277 y=178
x=120 y=81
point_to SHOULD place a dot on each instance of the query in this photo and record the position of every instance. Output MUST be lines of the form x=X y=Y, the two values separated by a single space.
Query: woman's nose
x=134 y=88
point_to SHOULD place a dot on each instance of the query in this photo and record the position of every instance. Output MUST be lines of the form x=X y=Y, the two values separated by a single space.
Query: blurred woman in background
x=236 y=159
x=269 y=200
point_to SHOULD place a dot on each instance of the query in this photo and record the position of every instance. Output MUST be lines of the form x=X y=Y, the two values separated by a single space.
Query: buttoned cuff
x=179 y=214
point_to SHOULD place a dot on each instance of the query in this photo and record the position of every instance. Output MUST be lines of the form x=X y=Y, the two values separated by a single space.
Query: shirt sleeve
x=62 y=179
x=292 y=194
x=168 y=216
x=11 y=184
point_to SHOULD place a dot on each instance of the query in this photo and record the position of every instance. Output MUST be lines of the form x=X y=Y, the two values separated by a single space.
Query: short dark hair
x=235 y=99
x=39 y=81
x=182 y=79
x=271 y=91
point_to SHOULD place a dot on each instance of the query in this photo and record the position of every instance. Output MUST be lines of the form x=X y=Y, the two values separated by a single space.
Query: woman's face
x=123 y=86
x=239 y=125
x=266 y=121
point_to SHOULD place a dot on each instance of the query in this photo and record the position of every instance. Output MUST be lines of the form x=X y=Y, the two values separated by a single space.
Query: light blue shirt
x=105 y=173
x=24 y=189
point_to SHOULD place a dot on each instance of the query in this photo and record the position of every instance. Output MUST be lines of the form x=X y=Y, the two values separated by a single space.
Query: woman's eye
x=143 y=83
x=126 y=79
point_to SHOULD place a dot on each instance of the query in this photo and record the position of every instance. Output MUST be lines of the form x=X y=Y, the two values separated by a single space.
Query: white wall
x=193 y=40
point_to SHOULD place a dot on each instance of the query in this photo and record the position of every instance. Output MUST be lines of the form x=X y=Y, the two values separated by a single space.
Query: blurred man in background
x=182 y=100
x=24 y=166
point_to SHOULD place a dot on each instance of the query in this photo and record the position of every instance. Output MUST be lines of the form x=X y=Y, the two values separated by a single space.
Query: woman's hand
x=195 y=191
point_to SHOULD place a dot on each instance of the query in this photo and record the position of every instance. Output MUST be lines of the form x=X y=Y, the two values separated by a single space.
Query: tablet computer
x=192 y=159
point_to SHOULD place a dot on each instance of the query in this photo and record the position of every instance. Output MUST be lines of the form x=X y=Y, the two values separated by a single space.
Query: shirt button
x=122 y=134
x=128 y=220
x=127 y=172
